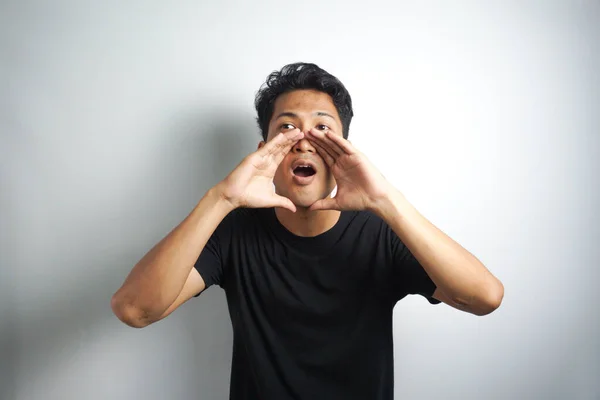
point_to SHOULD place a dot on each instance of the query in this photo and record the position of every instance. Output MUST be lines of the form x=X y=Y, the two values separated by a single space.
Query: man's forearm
x=158 y=278
x=456 y=272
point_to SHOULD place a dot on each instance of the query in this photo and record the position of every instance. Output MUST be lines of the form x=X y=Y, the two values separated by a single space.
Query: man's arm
x=462 y=281
x=154 y=287
x=193 y=286
x=165 y=277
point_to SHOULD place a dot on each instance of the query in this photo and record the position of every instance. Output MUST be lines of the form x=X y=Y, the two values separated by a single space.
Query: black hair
x=301 y=76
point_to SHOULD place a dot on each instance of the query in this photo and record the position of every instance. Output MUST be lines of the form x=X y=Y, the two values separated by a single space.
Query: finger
x=325 y=204
x=328 y=158
x=326 y=143
x=319 y=137
x=342 y=143
x=284 y=202
x=281 y=144
x=280 y=149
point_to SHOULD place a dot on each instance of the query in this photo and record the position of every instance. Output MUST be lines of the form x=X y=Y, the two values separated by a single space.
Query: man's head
x=301 y=76
x=305 y=97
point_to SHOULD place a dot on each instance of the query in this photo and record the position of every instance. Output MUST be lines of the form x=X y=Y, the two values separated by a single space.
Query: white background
x=116 y=117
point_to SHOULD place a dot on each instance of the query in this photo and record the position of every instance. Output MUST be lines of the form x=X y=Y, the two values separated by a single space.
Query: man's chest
x=278 y=283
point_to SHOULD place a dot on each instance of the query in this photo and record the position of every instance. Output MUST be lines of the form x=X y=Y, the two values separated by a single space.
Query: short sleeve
x=212 y=259
x=209 y=264
x=407 y=275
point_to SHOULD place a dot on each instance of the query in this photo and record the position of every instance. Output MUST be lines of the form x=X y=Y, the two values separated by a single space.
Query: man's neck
x=307 y=223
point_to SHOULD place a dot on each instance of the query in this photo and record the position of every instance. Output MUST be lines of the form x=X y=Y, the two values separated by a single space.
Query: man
x=311 y=280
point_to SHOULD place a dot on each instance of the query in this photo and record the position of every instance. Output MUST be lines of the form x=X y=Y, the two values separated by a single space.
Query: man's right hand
x=250 y=184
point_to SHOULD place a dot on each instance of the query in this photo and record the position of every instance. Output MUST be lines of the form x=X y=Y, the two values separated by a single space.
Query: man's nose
x=304 y=146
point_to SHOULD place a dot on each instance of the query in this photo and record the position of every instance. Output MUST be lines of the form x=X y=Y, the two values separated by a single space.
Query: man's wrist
x=392 y=205
x=217 y=196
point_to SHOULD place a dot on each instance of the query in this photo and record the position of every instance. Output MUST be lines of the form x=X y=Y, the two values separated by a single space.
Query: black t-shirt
x=311 y=316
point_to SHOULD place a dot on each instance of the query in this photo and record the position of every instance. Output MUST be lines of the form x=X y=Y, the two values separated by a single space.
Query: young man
x=311 y=280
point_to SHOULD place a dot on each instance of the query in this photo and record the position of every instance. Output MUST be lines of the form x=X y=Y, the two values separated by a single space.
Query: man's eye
x=322 y=127
x=287 y=126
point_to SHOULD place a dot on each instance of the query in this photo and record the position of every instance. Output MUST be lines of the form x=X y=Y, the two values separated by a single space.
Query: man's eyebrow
x=292 y=115
x=323 y=114
x=287 y=114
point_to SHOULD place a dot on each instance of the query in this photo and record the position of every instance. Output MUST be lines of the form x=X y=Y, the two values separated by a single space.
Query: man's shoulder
x=238 y=219
x=366 y=226
x=367 y=219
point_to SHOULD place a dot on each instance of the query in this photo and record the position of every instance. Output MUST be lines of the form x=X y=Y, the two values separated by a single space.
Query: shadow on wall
x=69 y=333
x=8 y=261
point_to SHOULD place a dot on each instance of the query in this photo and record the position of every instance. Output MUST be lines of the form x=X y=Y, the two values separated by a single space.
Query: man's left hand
x=360 y=186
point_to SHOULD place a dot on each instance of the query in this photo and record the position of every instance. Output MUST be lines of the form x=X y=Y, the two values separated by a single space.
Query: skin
x=305 y=125
x=305 y=110
x=462 y=280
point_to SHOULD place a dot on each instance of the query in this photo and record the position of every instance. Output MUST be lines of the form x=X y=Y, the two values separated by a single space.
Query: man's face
x=303 y=176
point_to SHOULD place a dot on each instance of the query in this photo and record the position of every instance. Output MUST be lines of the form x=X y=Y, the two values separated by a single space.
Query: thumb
x=325 y=204
x=283 y=202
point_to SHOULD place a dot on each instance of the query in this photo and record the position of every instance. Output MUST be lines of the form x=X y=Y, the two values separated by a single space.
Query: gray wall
x=115 y=118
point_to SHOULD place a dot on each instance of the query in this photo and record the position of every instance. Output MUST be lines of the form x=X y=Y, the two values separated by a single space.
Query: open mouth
x=304 y=171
